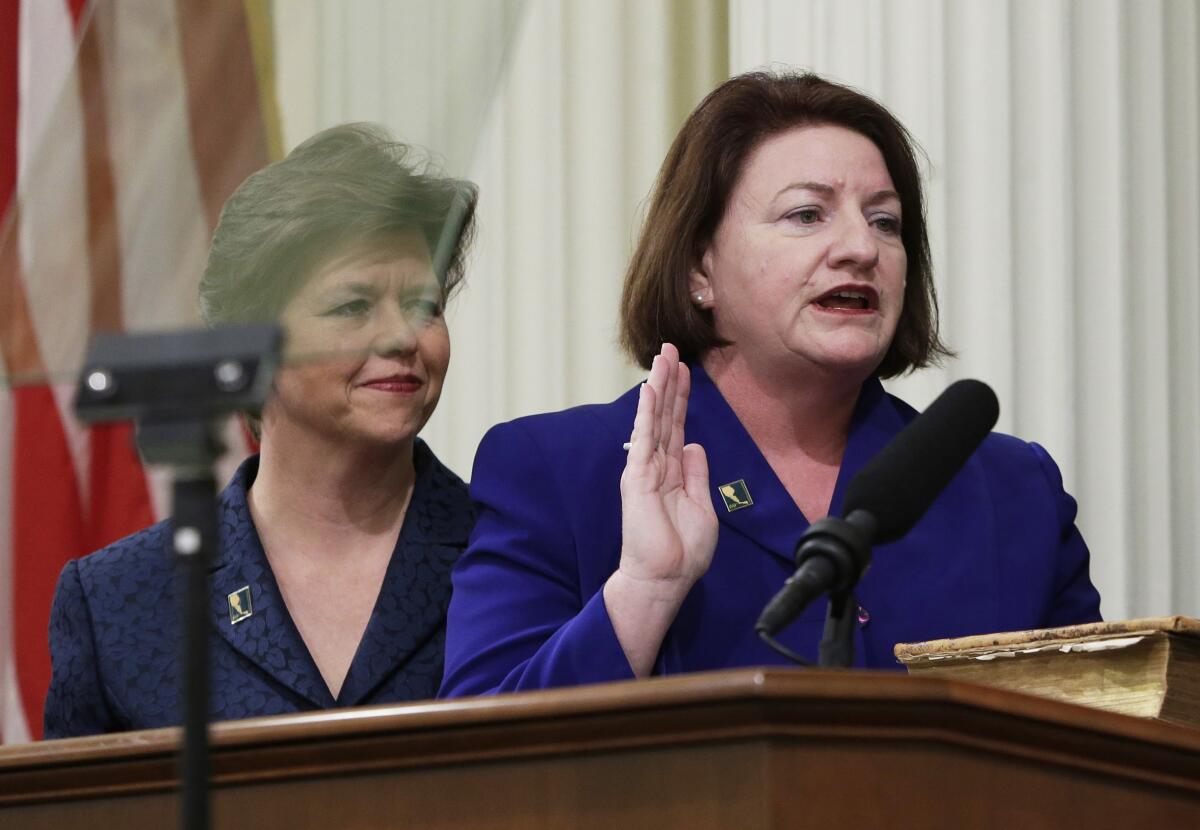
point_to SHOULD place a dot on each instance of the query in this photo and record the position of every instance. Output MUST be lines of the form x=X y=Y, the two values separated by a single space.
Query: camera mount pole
x=179 y=387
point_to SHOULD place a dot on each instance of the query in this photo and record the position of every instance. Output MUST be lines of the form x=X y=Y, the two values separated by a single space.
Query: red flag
x=123 y=128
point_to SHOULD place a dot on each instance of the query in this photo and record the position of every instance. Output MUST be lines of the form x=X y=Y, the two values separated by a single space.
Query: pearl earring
x=699 y=296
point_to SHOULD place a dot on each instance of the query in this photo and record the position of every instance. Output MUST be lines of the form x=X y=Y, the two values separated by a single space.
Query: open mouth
x=849 y=299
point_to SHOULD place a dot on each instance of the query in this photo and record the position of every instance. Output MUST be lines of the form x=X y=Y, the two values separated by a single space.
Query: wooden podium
x=738 y=749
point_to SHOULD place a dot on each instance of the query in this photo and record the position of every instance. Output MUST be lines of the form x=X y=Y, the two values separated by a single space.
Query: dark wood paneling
x=744 y=748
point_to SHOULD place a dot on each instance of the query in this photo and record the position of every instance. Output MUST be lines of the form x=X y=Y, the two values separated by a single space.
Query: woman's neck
x=323 y=492
x=806 y=410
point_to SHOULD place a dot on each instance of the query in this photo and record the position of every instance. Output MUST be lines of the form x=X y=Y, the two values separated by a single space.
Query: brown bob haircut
x=347 y=189
x=693 y=189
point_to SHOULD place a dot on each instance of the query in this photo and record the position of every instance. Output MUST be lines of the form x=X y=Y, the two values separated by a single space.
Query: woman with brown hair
x=783 y=270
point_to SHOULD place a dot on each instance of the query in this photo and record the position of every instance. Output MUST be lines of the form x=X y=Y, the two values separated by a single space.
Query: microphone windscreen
x=899 y=484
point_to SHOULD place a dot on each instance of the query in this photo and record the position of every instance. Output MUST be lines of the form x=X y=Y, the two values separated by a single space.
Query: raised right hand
x=668 y=525
x=669 y=528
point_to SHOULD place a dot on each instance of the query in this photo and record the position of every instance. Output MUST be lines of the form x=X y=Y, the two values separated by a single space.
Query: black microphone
x=886 y=498
x=899 y=484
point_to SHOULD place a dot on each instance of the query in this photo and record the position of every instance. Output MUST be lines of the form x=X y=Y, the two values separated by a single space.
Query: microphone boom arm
x=831 y=557
x=883 y=502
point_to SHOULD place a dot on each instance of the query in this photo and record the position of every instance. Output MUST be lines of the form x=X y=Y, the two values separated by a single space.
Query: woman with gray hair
x=337 y=539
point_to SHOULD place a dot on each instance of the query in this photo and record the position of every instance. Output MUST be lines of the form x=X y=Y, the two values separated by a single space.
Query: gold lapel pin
x=736 y=495
x=239 y=605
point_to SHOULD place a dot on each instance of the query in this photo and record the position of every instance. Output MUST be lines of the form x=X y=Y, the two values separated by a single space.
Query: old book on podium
x=1146 y=668
x=751 y=748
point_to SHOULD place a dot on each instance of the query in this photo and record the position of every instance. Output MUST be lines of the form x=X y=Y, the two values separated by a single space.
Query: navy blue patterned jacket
x=115 y=625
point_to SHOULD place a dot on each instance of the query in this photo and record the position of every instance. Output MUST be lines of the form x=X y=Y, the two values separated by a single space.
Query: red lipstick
x=396 y=384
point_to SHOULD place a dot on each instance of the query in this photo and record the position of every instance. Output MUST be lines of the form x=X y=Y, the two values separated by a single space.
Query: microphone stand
x=830 y=559
x=887 y=500
x=191 y=444
x=837 y=641
x=178 y=387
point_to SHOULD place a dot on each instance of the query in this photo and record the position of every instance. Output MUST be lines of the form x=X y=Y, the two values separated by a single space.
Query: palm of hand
x=669 y=527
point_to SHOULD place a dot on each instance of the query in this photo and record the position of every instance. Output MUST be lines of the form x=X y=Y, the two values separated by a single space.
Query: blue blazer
x=998 y=551
x=115 y=625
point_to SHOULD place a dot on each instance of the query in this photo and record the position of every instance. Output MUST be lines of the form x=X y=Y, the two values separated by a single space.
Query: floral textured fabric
x=116 y=622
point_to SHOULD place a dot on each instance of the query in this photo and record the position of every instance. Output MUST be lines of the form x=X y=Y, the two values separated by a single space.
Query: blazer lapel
x=773 y=520
x=874 y=423
x=411 y=608
x=267 y=636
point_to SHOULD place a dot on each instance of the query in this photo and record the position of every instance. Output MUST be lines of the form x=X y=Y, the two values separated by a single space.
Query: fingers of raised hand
x=695 y=475
x=667 y=361
x=661 y=380
x=670 y=358
x=702 y=531
x=683 y=383
x=643 y=441
x=661 y=411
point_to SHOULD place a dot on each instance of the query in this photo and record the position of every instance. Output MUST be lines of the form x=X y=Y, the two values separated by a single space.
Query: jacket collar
x=268 y=638
x=411 y=608
x=774 y=521
x=411 y=603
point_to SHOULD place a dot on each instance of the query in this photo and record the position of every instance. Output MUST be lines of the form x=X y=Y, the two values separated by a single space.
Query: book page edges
x=1086 y=637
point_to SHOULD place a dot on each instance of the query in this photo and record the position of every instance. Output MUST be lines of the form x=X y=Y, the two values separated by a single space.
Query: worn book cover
x=1148 y=668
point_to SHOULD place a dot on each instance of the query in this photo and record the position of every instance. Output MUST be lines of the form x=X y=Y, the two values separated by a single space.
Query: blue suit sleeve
x=1075 y=599
x=519 y=616
x=76 y=703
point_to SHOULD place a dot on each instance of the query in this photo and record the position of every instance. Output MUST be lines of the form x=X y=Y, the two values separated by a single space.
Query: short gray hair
x=347 y=186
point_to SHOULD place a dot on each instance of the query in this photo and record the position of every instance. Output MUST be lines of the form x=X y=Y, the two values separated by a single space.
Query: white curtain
x=1064 y=168
x=579 y=112
x=1063 y=139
